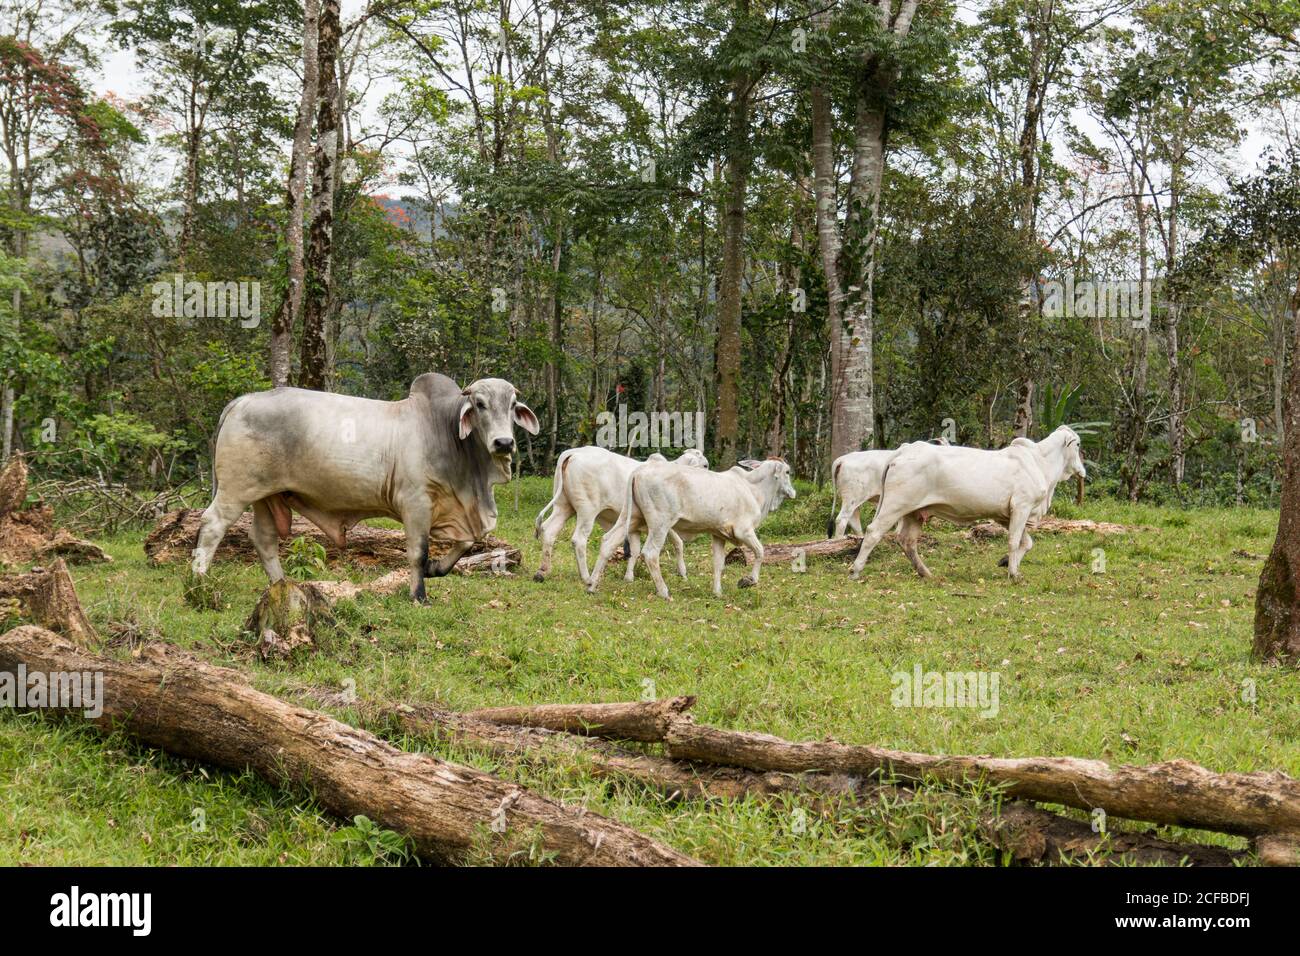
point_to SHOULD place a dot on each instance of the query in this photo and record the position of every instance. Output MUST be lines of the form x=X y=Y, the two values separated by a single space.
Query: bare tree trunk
x=1177 y=426
x=313 y=372
x=1039 y=23
x=1277 y=599
x=733 y=264
x=291 y=304
x=849 y=255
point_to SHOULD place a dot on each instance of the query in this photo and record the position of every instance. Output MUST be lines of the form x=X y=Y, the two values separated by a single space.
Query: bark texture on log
x=47 y=597
x=1028 y=834
x=1176 y=792
x=13 y=485
x=1050 y=525
x=190 y=708
x=174 y=536
x=638 y=720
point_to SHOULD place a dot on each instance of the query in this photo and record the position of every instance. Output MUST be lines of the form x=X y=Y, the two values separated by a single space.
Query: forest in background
x=826 y=225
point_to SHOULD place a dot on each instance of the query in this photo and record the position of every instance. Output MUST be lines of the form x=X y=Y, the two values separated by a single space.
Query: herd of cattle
x=431 y=460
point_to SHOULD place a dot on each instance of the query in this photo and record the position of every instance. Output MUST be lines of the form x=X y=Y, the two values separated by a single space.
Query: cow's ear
x=750 y=463
x=466 y=423
x=523 y=417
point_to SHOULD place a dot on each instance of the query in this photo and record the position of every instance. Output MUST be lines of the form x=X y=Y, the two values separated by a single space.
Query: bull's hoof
x=1017 y=578
x=746 y=582
x=539 y=577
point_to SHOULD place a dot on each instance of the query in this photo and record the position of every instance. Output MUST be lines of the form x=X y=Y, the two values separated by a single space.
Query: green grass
x=1144 y=662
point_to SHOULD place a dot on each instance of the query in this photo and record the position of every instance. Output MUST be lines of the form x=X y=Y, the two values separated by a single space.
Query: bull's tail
x=216 y=436
x=835 y=490
x=557 y=490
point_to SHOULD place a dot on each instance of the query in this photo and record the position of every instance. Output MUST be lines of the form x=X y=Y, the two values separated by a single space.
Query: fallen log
x=172 y=700
x=1050 y=525
x=1175 y=793
x=1027 y=833
x=784 y=553
x=174 y=536
x=639 y=720
x=48 y=598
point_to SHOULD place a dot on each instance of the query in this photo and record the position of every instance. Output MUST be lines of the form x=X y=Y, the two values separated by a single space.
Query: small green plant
x=305 y=560
x=205 y=592
x=366 y=843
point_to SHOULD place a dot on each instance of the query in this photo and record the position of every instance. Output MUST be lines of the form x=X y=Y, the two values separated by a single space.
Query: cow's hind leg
x=879 y=527
x=217 y=519
x=550 y=531
x=581 y=534
x=612 y=539
x=909 y=533
x=266 y=539
x=680 y=547
x=654 y=545
x=632 y=551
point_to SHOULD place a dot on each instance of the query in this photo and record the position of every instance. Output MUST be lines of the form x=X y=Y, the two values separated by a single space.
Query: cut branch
x=639 y=720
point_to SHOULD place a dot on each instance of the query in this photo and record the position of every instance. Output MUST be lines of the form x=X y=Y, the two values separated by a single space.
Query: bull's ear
x=523 y=417
x=750 y=463
x=466 y=423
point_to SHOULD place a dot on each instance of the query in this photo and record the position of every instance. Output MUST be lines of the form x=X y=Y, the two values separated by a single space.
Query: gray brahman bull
x=429 y=461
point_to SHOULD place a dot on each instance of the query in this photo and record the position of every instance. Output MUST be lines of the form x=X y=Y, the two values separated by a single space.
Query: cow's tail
x=557 y=489
x=217 y=437
x=835 y=490
x=884 y=477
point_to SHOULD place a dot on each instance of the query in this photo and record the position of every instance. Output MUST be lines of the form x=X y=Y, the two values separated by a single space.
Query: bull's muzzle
x=503 y=446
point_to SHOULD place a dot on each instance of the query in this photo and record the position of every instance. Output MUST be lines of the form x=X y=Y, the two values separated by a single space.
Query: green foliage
x=305 y=559
x=365 y=843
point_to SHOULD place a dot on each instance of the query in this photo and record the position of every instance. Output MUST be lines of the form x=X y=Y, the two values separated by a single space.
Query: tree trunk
x=313 y=372
x=1177 y=427
x=291 y=304
x=733 y=266
x=1277 y=599
x=188 y=707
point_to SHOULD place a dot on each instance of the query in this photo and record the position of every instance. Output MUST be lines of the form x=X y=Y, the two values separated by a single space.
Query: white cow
x=591 y=484
x=1013 y=486
x=856 y=478
x=663 y=498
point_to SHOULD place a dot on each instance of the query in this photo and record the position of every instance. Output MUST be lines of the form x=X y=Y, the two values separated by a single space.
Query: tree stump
x=47 y=597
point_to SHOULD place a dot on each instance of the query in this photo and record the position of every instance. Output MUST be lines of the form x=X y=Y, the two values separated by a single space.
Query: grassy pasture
x=1144 y=662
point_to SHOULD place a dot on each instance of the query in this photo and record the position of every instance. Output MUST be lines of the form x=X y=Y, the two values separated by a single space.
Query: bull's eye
x=482 y=404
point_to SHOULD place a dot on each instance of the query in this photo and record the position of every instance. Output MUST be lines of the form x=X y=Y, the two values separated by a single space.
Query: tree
x=286 y=315
x=313 y=371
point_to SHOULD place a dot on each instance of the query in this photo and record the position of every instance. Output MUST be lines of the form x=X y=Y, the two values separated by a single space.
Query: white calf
x=728 y=506
x=591 y=484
